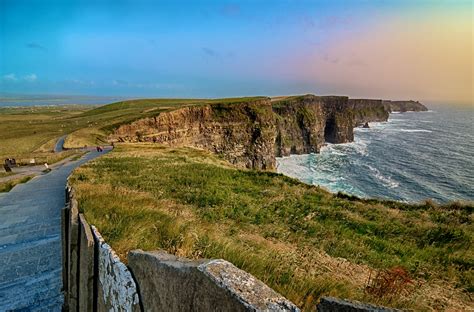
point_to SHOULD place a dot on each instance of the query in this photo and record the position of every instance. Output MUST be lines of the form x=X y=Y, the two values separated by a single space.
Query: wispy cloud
x=35 y=45
x=118 y=82
x=307 y=22
x=10 y=77
x=14 y=78
x=80 y=82
x=210 y=52
x=149 y=85
x=330 y=22
x=30 y=77
x=330 y=59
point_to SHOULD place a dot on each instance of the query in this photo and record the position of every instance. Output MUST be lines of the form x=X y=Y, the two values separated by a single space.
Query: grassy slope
x=104 y=119
x=33 y=131
x=293 y=236
x=26 y=130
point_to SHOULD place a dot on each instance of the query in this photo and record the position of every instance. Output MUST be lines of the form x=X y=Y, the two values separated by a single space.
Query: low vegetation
x=5 y=174
x=299 y=239
x=7 y=186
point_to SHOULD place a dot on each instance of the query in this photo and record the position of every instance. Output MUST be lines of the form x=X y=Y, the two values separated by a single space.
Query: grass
x=28 y=131
x=301 y=240
x=7 y=186
x=31 y=132
x=6 y=174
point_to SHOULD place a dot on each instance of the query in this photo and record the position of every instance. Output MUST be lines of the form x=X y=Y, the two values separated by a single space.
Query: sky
x=421 y=50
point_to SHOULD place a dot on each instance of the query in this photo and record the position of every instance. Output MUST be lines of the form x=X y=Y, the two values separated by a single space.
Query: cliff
x=252 y=132
x=404 y=106
x=243 y=133
x=305 y=123
x=368 y=110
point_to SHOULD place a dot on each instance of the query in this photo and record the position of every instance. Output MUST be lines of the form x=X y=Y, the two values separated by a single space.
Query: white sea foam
x=414 y=130
x=402 y=162
x=359 y=146
x=387 y=181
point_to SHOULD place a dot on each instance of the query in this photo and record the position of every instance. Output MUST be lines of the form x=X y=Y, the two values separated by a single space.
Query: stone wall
x=206 y=285
x=94 y=278
x=330 y=304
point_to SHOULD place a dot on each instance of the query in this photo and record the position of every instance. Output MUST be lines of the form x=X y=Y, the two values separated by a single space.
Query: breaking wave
x=400 y=159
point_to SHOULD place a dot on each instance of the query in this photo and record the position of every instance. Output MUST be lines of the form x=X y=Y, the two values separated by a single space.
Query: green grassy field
x=33 y=131
x=301 y=240
x=102 y=120
x=28 y=130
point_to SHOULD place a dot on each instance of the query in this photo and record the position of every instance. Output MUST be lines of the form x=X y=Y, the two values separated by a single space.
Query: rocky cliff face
x=305 y=123
x=243 y=133
x=404 y=106
x=367 y=110
x=251 y=133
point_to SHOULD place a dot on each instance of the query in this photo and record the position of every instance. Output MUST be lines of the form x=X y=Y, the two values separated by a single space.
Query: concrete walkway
x=30 y=241
x=24 y=171
x=59 y=147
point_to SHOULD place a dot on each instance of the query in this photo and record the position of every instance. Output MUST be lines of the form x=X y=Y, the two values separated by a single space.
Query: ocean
x=54 y=100
x=412 y=157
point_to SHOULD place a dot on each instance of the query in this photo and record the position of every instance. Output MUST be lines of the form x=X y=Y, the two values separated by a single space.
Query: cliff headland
x=251 y=133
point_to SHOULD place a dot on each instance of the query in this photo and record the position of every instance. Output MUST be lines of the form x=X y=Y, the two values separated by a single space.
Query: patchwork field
x=301 y=240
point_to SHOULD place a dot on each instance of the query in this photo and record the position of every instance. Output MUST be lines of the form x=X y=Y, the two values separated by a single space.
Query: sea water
x=412 y=157
x=54 y=100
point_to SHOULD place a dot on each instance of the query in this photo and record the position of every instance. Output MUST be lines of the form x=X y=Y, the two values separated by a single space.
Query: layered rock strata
x=368 y=110
x=243 y=133
x=305 y=123
x=404 y=106
x=252 y=133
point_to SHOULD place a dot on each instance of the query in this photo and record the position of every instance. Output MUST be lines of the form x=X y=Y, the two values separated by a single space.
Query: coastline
x=390 y=161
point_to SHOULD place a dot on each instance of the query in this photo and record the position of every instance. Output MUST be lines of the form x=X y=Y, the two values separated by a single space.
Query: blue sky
x=198 y=48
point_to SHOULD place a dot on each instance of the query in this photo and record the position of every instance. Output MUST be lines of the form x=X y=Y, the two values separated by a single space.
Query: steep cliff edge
x=243 y=133
x=305 y=123
x=368 y=110
x=404 y=106
x=252 y=132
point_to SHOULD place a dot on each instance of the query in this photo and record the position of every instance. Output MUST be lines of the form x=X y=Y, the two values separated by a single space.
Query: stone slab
x=116 y=288
x=169 y=283
x=86 y=266
x=64 y=251
x=73 y=255
x=331 y=304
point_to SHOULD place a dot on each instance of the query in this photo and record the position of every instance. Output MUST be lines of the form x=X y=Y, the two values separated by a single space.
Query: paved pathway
x=30 y=241
x=59 y=144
